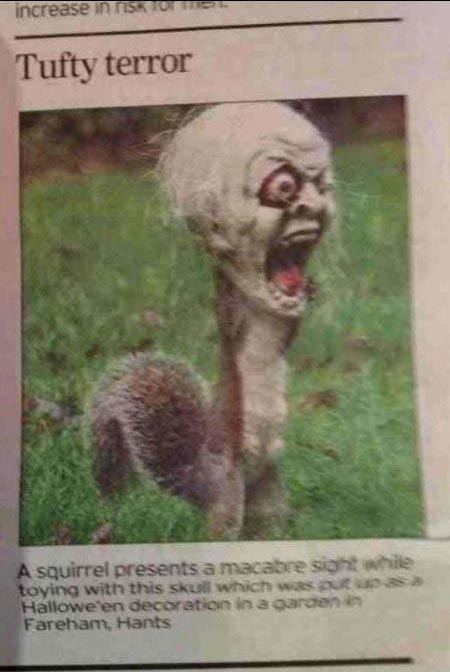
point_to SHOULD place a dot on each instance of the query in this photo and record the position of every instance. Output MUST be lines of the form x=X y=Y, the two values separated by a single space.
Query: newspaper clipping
x=224 y=285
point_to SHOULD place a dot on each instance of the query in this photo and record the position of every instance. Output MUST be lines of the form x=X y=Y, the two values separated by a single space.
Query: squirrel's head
x=254 y=179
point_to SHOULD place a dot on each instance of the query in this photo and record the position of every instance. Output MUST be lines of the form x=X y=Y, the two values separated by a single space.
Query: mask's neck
x=252 y=387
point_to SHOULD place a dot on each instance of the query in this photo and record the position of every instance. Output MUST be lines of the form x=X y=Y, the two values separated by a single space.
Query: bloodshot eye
x=279 y=188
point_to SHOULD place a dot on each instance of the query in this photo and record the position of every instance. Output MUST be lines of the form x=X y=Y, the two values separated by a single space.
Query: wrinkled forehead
x=282 y=136
x=310 y=160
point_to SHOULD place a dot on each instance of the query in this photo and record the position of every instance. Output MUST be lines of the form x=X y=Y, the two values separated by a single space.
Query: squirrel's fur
x=151 y=415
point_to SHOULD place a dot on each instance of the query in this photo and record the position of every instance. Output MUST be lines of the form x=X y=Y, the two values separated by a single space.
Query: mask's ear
x=217 y=242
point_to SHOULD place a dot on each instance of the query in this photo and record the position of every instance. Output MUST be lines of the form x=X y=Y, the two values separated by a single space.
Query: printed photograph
x=217 y=339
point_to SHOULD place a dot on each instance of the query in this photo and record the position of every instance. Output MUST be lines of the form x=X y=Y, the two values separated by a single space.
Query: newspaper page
x=225 y=392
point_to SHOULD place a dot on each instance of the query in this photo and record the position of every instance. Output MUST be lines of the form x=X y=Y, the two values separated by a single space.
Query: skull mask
x=255 y=180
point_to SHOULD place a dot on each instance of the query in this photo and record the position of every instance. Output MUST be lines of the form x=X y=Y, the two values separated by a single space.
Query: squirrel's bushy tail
x=150 y=415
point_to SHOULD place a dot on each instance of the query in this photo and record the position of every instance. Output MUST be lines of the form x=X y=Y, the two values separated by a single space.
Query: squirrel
x=254 y=180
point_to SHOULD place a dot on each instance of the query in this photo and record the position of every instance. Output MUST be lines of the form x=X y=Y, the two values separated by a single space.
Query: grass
x=106 y=271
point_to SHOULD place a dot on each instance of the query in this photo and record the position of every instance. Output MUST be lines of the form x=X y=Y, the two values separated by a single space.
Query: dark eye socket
x=280 y=188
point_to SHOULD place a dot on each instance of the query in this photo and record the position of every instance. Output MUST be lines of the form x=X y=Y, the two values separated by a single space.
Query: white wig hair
x=206 y=165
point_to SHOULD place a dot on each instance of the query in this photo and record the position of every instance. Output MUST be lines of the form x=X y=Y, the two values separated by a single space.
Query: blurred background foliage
x=79 y=141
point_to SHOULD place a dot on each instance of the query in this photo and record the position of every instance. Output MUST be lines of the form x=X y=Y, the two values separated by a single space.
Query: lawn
x=106 y=271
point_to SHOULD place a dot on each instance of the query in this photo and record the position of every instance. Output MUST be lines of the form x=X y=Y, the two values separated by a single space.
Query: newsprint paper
x=224 y=300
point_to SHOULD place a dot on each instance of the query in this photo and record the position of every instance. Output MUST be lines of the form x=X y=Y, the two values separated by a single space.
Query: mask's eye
x=279 y=188
x=322 y=183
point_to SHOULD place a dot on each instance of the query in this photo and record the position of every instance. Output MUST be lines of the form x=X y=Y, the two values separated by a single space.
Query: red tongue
x=290 y=279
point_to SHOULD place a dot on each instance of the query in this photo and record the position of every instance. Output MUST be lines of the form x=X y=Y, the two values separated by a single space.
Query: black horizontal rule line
x=197 y=29
x=211 y=666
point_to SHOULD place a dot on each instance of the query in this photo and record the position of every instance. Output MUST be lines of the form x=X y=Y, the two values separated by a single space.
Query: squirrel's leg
x=266 y=508
x=226 y=512
x=112 y=459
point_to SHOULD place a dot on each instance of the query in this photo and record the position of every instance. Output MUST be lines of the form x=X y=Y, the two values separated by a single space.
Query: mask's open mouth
x=286 y=261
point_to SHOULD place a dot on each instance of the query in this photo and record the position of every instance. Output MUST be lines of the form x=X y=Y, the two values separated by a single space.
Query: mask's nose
x=308 y=203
